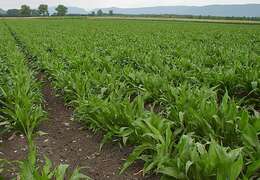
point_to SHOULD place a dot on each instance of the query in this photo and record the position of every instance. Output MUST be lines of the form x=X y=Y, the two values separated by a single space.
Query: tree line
x=101 y=13
x=26 y=11
x=61 y=10
x=43 y=10
x=197 y=17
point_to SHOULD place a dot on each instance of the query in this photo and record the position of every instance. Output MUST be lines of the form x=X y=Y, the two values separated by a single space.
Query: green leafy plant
x=21 y=110
x=184 y=94
x=30 y=170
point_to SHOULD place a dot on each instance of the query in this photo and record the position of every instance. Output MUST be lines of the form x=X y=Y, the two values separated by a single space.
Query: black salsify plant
x=20 y=102
x=181 y=67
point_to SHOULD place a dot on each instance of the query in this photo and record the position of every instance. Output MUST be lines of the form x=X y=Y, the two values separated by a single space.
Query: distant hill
x=2 y=11
x=248 y=10
x=71 y=10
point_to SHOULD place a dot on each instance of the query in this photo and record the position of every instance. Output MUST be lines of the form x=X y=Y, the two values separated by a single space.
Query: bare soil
x=67 y=142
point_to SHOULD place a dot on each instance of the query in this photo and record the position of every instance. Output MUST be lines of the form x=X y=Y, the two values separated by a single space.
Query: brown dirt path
x=66 y=142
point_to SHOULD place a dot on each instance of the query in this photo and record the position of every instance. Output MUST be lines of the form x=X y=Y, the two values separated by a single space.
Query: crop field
x=184 y=97
x=174 y=19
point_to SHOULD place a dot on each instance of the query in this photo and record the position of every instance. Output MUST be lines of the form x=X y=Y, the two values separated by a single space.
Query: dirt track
x=67 y=142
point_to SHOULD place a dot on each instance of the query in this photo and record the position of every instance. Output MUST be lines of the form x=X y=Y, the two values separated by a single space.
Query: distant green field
x=186 y=94
x=151 y=18
x=158 y=18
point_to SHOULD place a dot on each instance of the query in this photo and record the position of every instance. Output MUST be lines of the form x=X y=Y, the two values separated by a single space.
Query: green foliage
x=20 y=97
x=99 y=12
x=30 y=170
x=61 y=10
x=192 y=159
x=111 y=13
x=25 y=10
x=43 y=9
x=21 y=110
x=157 y=140
x=185 y=94
x=13 y=12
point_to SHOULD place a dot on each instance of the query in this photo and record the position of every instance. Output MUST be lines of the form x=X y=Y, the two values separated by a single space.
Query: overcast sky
x=90 y=4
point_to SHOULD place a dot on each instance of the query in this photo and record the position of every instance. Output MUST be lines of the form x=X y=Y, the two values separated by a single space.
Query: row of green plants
x=186 y=94
x=21 y=111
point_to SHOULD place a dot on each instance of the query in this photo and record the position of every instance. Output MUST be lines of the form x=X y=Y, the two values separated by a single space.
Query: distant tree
x=25 y=10
x=35 y=12
x=93 y=13
x=99 y=12
x=61 y=10
x=13 y=12
x=111 y=13
x=43 y=10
